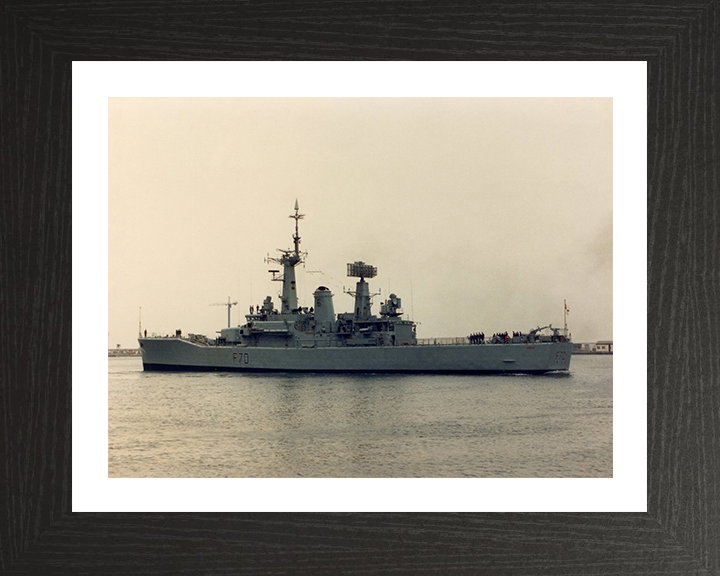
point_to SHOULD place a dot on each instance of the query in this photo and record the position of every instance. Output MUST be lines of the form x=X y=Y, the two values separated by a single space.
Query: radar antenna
x=361 y=293
x=361 y=270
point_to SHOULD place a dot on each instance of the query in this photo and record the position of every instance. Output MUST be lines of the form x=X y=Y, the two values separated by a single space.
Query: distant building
x=123 y=351
x=601 y=347
x=604 y=346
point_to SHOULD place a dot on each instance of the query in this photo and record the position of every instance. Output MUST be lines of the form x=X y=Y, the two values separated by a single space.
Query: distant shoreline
x=124 y=352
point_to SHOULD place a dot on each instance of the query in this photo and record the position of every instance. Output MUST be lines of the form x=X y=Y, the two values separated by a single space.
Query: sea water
x=285 y=425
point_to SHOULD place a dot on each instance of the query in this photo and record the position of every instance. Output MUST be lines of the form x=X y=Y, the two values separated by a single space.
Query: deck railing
x=456 y=341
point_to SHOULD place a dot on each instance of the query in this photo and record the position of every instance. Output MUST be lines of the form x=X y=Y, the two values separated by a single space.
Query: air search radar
x=361 y=270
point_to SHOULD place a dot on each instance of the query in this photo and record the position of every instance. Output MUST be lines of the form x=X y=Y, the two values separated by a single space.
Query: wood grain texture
x=680 y=532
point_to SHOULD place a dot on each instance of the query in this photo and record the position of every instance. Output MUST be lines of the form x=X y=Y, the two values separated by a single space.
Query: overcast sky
x=482 y=214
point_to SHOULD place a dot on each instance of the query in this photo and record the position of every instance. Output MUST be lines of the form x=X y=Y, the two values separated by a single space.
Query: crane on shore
x=229 y=305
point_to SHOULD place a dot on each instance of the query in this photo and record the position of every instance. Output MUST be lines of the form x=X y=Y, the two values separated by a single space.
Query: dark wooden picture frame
x=680 y=532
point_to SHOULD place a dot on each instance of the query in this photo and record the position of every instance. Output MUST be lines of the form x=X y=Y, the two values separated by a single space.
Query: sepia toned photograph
x=360 y=287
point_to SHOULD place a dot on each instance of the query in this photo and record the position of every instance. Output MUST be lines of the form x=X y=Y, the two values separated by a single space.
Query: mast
x=296 y=237
x=565 y=313
x=362 y=290
x=230 y=305
x=290 y=259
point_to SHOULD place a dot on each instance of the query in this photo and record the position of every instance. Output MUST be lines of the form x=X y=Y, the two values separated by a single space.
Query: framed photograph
x=65 y=514
x=471 y=213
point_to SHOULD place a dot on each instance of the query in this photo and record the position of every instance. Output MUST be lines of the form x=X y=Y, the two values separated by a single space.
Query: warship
x=315 y=339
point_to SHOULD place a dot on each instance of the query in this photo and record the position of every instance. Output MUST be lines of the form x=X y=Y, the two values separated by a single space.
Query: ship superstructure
x=316 y=339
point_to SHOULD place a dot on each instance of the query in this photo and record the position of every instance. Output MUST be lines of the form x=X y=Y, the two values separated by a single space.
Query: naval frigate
x=315 y=339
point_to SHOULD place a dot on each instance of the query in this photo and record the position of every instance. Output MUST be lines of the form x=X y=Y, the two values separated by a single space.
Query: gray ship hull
x=178 y=354
x=314 y=339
